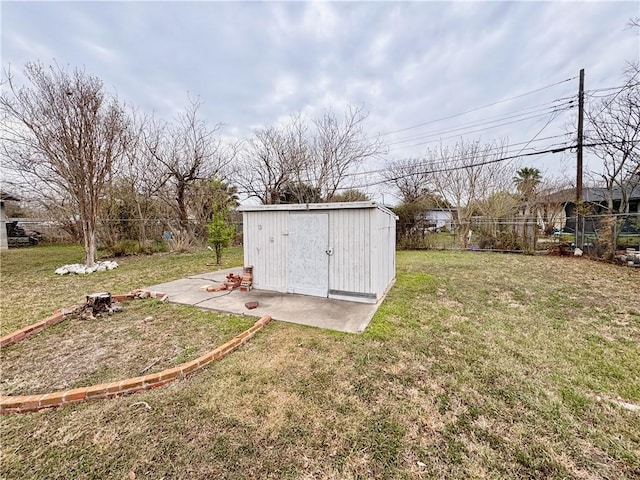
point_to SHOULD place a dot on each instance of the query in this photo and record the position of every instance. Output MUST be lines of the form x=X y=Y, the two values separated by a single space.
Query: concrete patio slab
x=350 y=317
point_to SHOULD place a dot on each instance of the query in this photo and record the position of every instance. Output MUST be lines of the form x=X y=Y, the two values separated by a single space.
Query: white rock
x=80 y=269
x=627 y=406
x=577 y=252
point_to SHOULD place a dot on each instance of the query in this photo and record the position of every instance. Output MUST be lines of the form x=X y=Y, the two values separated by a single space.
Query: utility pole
x=579 y=218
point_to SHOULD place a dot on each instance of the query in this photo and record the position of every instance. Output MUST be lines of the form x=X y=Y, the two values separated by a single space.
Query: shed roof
x=315 y=206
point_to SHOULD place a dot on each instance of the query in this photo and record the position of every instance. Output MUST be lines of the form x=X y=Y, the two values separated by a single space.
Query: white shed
x=337 y=250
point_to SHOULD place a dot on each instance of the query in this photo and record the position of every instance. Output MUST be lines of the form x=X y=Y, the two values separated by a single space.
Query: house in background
x=5 y=197
x=438 y=219
x=596 y=198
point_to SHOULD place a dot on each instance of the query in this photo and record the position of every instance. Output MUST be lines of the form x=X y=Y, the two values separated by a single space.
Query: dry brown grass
x=476 y=366
x=146 y=337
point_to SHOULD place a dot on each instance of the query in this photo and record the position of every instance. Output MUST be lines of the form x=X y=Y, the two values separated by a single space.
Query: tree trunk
x=218 y=248
x=463 y=230
x=182 y=207
x=88 y=229
x=614 y=238
x=142 y=229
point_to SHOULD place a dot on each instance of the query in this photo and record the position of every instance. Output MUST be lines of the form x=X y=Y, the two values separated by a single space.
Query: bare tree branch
x=64 y=131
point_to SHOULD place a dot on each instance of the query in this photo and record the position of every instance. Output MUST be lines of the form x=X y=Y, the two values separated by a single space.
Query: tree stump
x=98 y=302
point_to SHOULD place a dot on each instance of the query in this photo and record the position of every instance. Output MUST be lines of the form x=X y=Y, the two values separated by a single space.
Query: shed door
x=308 y=269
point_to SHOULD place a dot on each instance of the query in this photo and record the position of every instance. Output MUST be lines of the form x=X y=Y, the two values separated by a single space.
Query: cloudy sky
x=409 y=64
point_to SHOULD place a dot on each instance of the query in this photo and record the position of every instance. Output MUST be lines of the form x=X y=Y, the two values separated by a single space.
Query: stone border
x=31 y=403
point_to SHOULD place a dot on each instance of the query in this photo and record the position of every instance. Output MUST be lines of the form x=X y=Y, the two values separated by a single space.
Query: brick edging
x=25 y=332
x=31 y=403
x=62 y=314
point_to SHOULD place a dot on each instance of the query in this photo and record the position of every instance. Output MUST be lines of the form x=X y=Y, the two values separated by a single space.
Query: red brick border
x=61 y=314
x=31 y=403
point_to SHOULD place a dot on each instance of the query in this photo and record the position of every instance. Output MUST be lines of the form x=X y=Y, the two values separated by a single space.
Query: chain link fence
x=605 y=236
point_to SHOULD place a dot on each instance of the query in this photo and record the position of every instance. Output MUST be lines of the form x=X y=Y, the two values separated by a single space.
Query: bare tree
x=464 y=175
x=301 y=164
x=339 y=147
x=349 y=195
x=207 y=198
x=62 y=130
x=411 y=180
x=613 y=135
x=187 y=151
x=409 y=177
x=131 y=209
x=273 y=159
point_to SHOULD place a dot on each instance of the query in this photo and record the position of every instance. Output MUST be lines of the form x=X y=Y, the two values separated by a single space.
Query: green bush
x=126 y=247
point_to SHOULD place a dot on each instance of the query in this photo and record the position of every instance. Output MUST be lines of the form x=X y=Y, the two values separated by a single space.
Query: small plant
x=180 y=241
x=220 y=234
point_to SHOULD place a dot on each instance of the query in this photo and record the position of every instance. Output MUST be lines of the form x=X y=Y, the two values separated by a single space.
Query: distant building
x=596 y=198
x=4 y=197
x=439 y=219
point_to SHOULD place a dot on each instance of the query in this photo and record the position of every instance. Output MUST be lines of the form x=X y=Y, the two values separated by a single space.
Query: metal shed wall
x=361 y=266
x=265 y=247
x=384 y=272
x=351 y=242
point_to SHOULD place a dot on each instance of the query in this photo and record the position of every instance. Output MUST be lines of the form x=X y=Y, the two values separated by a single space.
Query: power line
x=626 y=85
x=445 y=160
x=462 y=167
x=470 y=131
x=623 y=87
x=479 y=164
x=477 y=108
x=539 y=112
x=540 y=131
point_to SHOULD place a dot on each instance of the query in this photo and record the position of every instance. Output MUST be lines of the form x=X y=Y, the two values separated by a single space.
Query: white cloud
x=320 y=19
x=254 y=64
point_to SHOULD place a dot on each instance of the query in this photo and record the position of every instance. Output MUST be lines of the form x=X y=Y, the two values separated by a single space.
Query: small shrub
x=181 y=242
x=122 y=248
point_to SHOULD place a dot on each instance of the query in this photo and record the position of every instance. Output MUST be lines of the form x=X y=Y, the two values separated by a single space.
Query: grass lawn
x=476 y=366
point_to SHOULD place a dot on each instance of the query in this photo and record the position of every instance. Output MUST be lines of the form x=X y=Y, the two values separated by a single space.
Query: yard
x=477 y=365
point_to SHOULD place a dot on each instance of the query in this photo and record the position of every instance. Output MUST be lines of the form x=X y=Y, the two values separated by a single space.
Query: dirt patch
x=146 y=337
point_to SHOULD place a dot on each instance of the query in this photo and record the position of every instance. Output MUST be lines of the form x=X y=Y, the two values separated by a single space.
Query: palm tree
x=526 y=180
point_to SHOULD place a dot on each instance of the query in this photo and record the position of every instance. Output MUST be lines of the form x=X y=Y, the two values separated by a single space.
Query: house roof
x=596 y=194
x=315 y=206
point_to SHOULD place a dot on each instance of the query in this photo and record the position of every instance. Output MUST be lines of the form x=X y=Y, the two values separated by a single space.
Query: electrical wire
x=626 y=85
x=445 y=160
x=539 y=112
x=462 y=167
x=467 y=132
x=478 y=108
x=623 y=87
